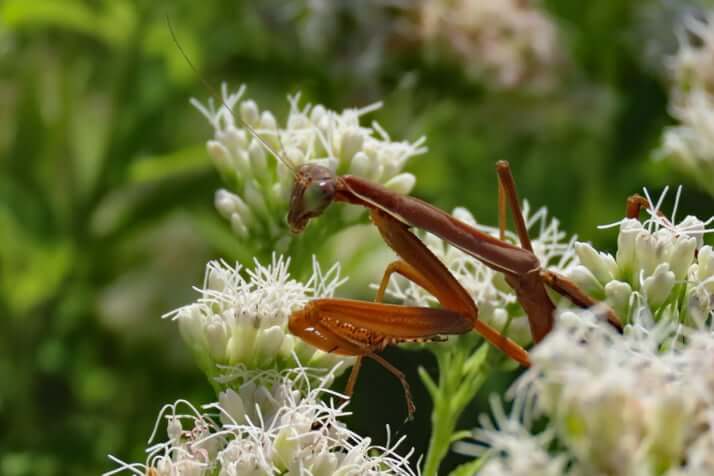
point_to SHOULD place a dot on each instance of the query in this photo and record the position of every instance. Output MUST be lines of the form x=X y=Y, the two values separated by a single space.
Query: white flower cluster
x=506 y=446
x=639 y=404
x=275 y=424
x=661 y=271
x=257 y=202
x=691 y=143
x=691 y=67
x=494 y=297
x=243 y=320
x=506 y=43
x=356 y=35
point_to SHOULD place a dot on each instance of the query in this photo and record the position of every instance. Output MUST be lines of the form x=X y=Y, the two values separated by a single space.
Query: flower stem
x=461 y=374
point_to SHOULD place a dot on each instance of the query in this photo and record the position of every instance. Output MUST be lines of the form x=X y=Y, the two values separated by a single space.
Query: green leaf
x=184 y=161
x=468 y=469
x=30 y=269
x=114 y=25
x=460 y=435
x=474 y=363
x=69 y=14
x=428 y=383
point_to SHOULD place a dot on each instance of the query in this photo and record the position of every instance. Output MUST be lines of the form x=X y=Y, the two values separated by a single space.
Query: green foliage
x=106 y=193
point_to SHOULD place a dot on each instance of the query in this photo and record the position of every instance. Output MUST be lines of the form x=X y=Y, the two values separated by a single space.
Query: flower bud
x=191 y=324
x=249 y=112
x=586 y=280
x=318 y=113
x=601 y=265
x=360 y=165
x=285 y=448
x=174 y=430
x=238 y=226
x=268 y=122
x=217 y=334
x=324 y=463
x=228 y=203
x=464 y=215
x=618 y=296
x=681 y=255
x=242 y=341
x=254 y=198
x=402 y=183
x=221 y=157
x=699 y=305
x=705 y=269
x=625 y=256
x=298 y=121
x=268 y=344
x=258 y=162
x=646 y=258
x=232 y=403
x=694 y=227
x=234 y=139
x=658 y=286
x=295 y=155
x=351 y=143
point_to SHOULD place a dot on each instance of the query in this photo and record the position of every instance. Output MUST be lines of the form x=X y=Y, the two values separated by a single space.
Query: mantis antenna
x=281 y=157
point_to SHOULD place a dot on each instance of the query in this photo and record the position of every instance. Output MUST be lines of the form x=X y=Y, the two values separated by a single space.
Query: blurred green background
x=106 y=192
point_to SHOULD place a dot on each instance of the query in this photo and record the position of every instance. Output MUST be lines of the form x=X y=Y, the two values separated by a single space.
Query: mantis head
x=314 y=190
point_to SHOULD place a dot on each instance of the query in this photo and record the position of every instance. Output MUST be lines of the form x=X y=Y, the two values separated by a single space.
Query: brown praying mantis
x=363 y=329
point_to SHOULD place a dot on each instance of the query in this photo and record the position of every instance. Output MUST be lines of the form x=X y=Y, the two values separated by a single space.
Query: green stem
x=460 y=377
x=443 y=423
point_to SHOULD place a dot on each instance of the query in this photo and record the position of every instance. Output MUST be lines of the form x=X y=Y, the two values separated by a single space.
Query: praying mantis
x=363 y=329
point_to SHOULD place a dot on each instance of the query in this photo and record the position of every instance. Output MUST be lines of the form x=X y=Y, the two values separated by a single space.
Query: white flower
x=511 y=449
x=352 y=37
x=495 y=299
x=302 y=435
x=691 y=67
x=506 y=43
x=256 y=203
x=622 y=405
x=243 y=319
x=690 y=144
x=656 y=265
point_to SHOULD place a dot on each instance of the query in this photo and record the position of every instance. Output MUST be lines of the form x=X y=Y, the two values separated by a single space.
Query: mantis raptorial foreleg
x=435 y=278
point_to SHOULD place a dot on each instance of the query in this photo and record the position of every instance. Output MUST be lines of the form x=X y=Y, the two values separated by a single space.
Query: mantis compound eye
x=318 y=195
x=314 y=190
